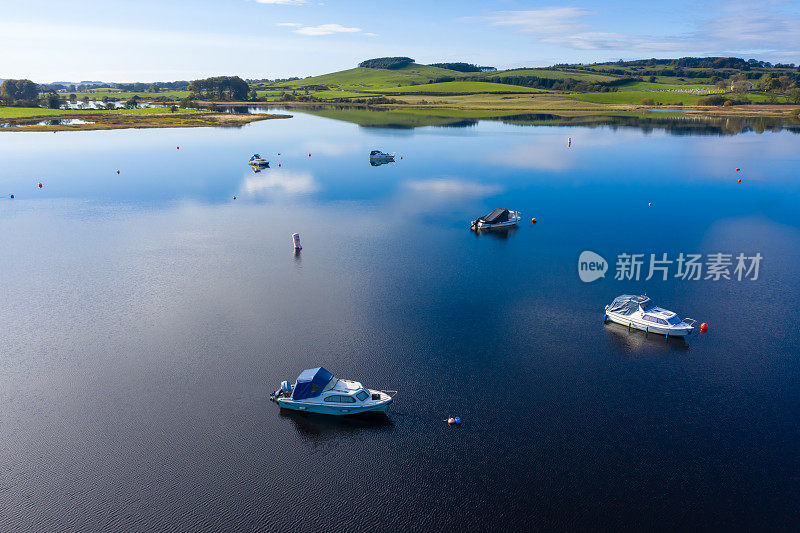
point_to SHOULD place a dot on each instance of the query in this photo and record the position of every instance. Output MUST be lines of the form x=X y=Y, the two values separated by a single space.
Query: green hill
x=372 y=79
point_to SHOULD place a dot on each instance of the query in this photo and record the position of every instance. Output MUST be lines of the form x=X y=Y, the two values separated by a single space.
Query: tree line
x=462 y=67
x=220 y=88
x=386 y=62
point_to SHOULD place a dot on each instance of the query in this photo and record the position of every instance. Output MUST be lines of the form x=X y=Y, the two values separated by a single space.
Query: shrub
x=648 y=101
x=712 y=100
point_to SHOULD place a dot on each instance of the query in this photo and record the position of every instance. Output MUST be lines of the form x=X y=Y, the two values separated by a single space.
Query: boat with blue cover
x=639 y=312
x=317 y=391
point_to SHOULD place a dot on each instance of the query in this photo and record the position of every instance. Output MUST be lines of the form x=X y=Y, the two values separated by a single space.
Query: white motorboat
x=499 y=218
x=640 y=312
x=317 y=391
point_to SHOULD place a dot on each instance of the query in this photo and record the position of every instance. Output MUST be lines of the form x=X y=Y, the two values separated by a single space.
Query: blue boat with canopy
x=639 y=312
x=318 y=391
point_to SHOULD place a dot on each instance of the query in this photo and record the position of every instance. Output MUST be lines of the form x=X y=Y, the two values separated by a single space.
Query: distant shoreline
x=529 y=103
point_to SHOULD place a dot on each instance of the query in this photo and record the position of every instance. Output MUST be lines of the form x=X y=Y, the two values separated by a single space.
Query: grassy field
x=664 y=98
x=331 y=94
x=34 y=112
x=461 y=87
x=638 y=97
x=551 y=74
x=648 y=86
x=124 y=95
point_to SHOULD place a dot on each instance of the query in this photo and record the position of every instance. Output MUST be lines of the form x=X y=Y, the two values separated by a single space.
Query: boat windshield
x=675 y=320
x=362 y=395
x=647 y=305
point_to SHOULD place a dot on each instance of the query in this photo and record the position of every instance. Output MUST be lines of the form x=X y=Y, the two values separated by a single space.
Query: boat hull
x=508 y=224
x=336 y=410
x=646 y=326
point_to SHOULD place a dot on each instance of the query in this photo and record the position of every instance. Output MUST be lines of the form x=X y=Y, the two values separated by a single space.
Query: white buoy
x=296 y=241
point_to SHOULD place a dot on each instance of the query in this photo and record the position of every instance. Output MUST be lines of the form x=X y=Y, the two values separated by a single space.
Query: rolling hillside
x=371 y=79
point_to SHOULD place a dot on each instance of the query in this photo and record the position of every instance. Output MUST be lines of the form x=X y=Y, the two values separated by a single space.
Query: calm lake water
x=147 y=315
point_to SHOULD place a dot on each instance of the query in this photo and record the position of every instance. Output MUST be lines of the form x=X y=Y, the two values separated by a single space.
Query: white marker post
x=296 y=241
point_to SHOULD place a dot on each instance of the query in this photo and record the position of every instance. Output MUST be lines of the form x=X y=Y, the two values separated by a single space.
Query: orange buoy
x=738 y=169
x=40 y=184
x=703 y=327
x=12 y=196
x=649 y=204
x=533 y=220
x=740 y=180
x=234 y=198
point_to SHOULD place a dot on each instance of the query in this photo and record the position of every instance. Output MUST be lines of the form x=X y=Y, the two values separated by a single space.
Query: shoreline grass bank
x=38 y=119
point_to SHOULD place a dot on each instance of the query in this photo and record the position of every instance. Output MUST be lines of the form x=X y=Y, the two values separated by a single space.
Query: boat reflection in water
x=315 y=425
x=637 y=342
x=498 y=233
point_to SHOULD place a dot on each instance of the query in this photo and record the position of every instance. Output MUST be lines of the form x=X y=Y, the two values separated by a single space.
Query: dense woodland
x=220 y=88
x=387 y=62
x=462 y=67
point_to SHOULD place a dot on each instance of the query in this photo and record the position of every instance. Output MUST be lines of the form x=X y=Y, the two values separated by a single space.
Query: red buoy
x=279 y=164
x=117 y=171
x=738 y=169
x=12 y=196
x=309 y=155
x=234 y=198
x=533 y=220
x=177 y=147
x=703 y=327
x=279 y=153
x=40 y=184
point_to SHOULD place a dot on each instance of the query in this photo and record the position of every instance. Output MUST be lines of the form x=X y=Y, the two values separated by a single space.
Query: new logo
x=591 y=266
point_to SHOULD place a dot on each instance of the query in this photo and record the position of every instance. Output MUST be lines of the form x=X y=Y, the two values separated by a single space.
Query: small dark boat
x=499 y=218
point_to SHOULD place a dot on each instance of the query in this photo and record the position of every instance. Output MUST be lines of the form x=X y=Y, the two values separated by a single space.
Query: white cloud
x=545 y=21
x=325 y=29
x=370 y=34
x=452 y=187
x=289 y=24
x=751 y=26
x=281 y=182
x=737 y=28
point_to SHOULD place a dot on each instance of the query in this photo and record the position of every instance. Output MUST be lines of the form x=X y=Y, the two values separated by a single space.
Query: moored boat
x=377 y=155
x=317 y=391
x=258 y=161
x=639 y=312
x=499 y=218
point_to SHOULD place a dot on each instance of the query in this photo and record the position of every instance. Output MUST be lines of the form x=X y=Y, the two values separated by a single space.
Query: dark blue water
x=147 y=315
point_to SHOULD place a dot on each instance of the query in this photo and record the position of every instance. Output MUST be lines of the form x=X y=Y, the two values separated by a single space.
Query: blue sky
x=148 y=40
